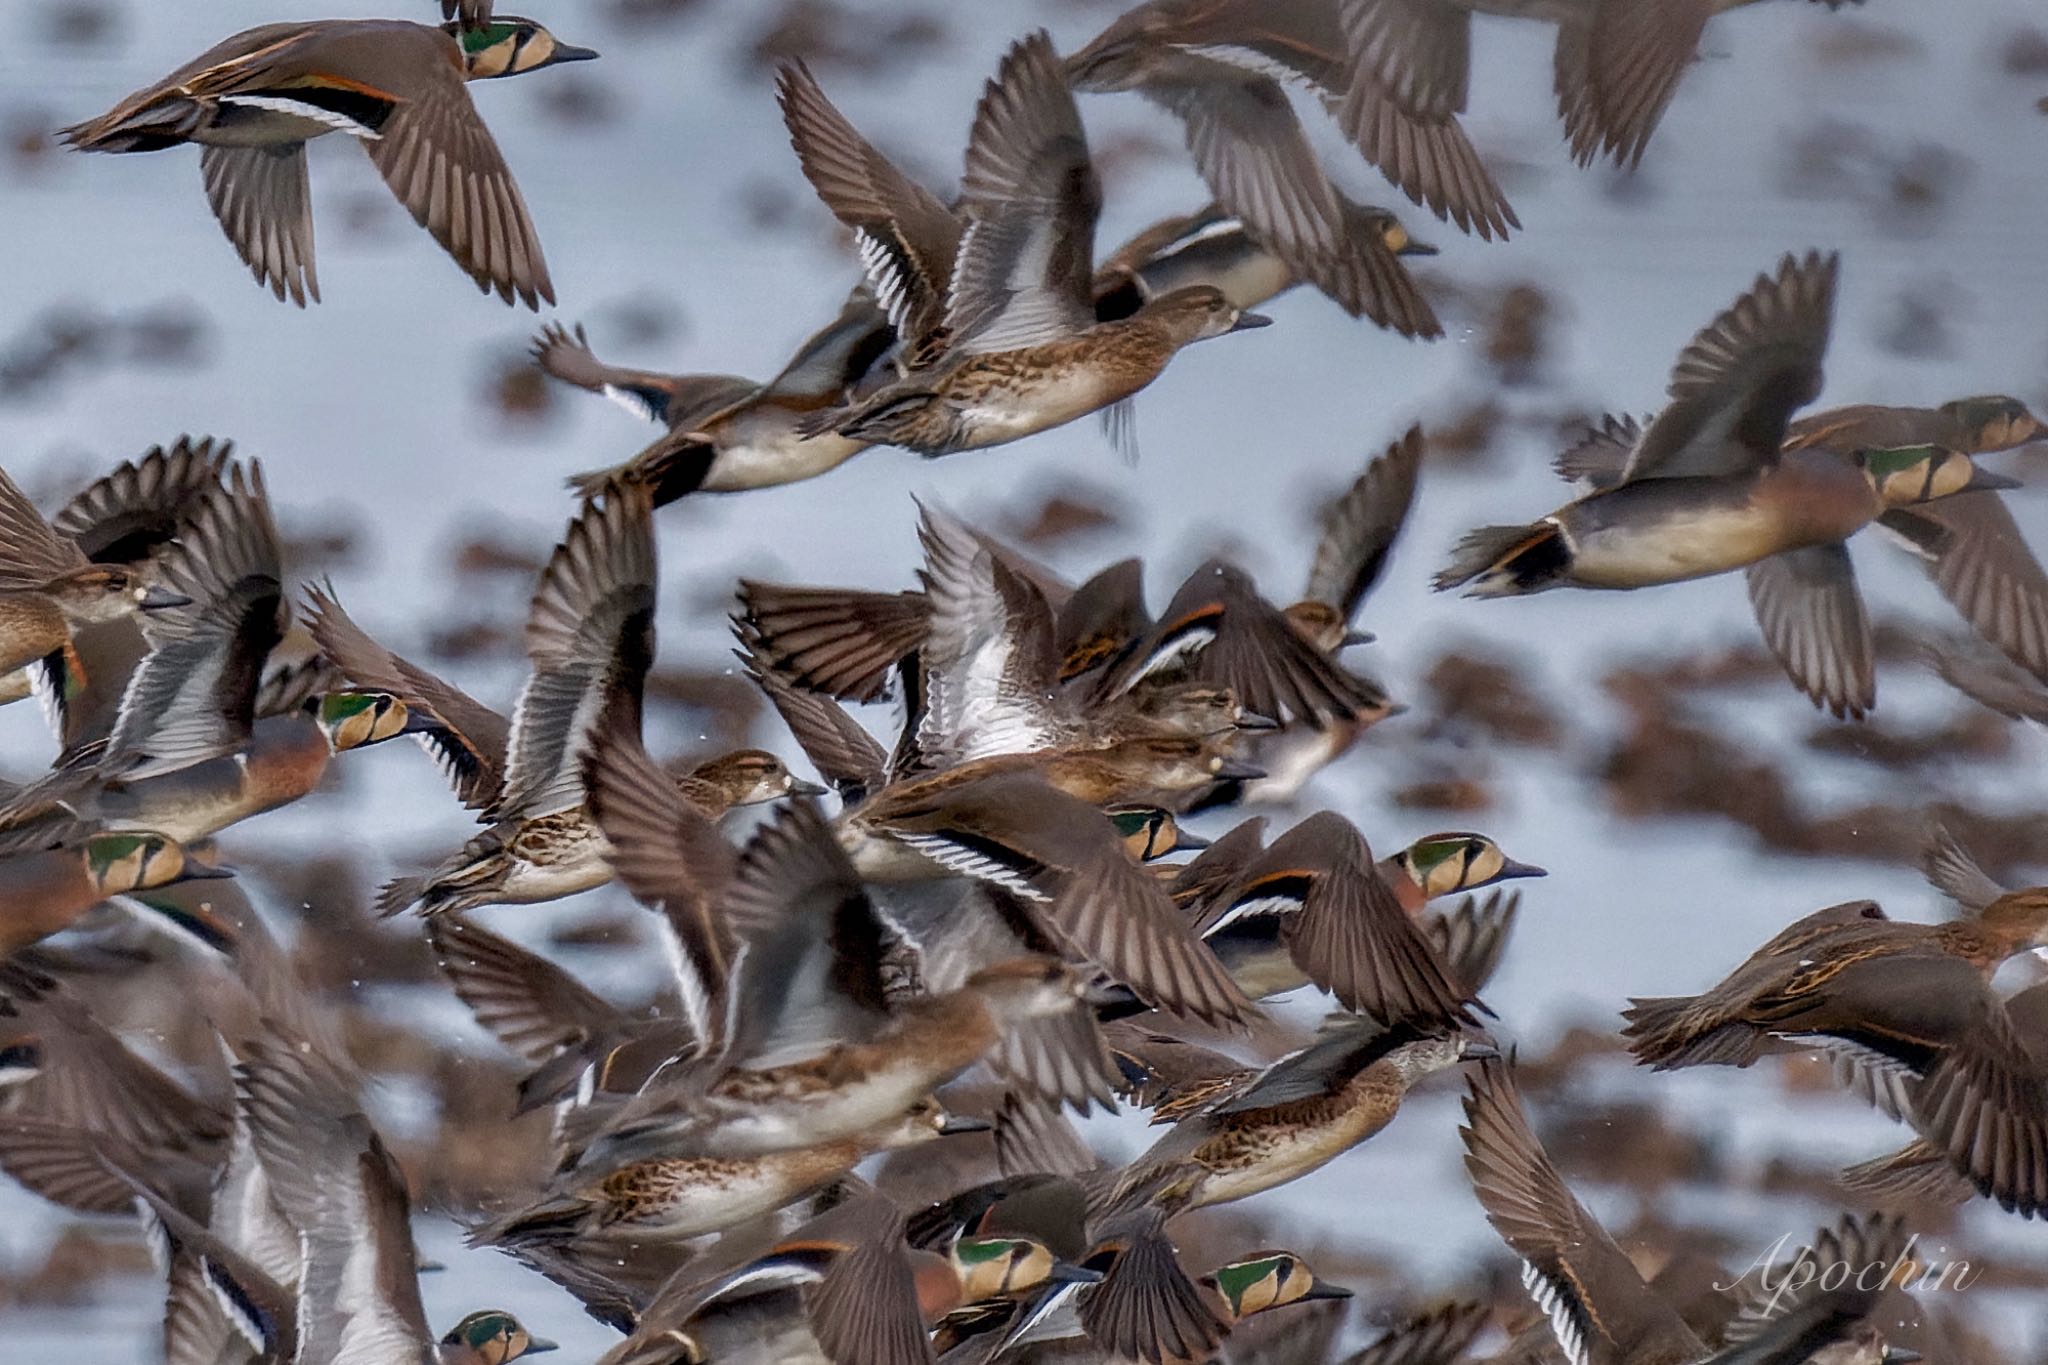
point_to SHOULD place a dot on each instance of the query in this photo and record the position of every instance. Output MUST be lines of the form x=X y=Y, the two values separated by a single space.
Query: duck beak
x=1237 y=770
x=1247 y=321
x=1252 y=720
x=1323 y=1289
x=1512 y=869
x=1411 y=247
x=961 y=1123
x=798 y=787
x=1481 y=1049
x=1983 y=480
x=1356 y=637
x=1899 y=1355
x=569 y=52
x=1184 y=842
x=1065 y=1272
x=535 y=1345
x=418 y=722
x=157 y=599
x=206 y=872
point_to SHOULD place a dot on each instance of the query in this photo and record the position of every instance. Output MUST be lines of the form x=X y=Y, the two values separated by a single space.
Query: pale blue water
x=370 y=412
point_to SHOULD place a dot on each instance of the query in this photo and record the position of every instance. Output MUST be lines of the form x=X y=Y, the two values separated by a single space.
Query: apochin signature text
x=1781 y=1277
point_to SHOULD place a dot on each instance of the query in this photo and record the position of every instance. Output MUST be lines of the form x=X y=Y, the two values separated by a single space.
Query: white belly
x=1703 y=542
x=1026 y=408
x=744 y=1191
x=1287 y=1158
x=530 y=885
x=761 y=450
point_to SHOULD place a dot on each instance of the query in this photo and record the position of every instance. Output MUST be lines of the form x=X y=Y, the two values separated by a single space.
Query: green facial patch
x=1130 y=823
x=981 y=1250
x=475 y=40
x=102 y=851
x=1885 y=461
x=1235 y=1281
x=1428 y=853
x=480 y=1329
x=337 y=707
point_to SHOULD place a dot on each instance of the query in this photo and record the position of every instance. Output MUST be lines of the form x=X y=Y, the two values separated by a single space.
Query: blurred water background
x=397 y=430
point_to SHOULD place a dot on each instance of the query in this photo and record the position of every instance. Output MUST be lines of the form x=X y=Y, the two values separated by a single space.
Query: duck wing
x=1598 y=1305
x=839 y=747
x=1018 y=831
x=990 y=666
x=1814 y=621
x=128 y=515
x=1740 y=379
x=675 y=861
x=1361 y=524
x=193 y=697
x=811 y=944
x=590 y=639
x=31 y=552
x=437 y=156
x=1031 y=199
x=908 y=239
x=264 y=204
x=330 y=1172
x=1219 y=630
x=1982 y=564
x=1615 y=72
x=1342 y=924
x=465 y=737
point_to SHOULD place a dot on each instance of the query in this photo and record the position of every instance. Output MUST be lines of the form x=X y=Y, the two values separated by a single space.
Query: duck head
x=998 y=1267
x=1198 y=312
x=1182 y=764
x=351 y=720
x=749 y=777
x=1437 y=1051
x=1117 y=57
x=106 y=593
x=116 y=864
x=1395 y=237
x=1149 y=832
x=1193 y=708
x=1905 y=475
x=1458 y=860
x=1993 y=421
x=491 y=1337
x=511 y=46
x=1269 y=1279
x=923 y=1121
